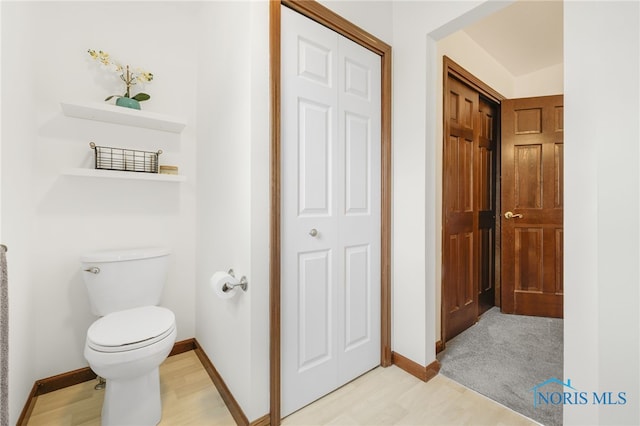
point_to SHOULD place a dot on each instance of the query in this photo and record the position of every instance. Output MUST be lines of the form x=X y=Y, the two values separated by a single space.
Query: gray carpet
x=504 y=356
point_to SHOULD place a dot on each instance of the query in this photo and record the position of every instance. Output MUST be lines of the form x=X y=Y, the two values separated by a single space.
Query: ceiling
x=524 y=37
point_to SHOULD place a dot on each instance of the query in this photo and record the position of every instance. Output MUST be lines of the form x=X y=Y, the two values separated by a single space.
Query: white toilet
x=133 y=336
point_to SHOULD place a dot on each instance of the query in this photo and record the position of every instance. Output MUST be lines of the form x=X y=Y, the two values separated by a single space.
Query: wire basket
x=128 y=160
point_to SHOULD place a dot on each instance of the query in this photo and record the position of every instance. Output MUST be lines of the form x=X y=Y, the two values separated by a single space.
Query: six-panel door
x=532 y=191
x=330 y=306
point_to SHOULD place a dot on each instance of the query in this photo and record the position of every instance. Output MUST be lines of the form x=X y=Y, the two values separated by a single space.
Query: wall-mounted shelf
x=115 y=174
x=120 y=115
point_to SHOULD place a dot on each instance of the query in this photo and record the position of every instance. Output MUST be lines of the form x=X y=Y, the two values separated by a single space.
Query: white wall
x=602 y=110
x=373 y=16
x=48 y=220
x=16 y=220
x=471 y=56
x=260 y=202
x=233 y=202
x=544 y=82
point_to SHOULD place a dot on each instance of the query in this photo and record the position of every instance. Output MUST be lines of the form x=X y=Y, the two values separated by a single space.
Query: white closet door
x=330 y=280
x=359 y=171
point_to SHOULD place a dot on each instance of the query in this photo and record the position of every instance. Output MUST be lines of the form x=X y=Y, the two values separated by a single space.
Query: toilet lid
x=130 y=329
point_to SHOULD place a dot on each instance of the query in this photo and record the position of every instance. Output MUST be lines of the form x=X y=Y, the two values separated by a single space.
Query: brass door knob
x=511 y=215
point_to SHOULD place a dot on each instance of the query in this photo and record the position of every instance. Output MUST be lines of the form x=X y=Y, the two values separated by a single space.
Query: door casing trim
x=330 y=19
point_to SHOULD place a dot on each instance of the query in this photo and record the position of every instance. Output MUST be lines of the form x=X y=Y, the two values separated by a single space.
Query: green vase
x=128 y=103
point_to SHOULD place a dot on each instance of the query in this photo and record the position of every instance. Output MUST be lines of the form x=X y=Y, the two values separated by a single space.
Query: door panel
x=315 y=309
x=309 y=268
x=486 y=203
x=359 y=199
x=357 y=296
x=460 y=266
x=357 y=158
x=469 y=200
x=314 y=150
x=314 y=61
x=532 y=186
x=527 y=170
x=528 y=261
x=330 y=229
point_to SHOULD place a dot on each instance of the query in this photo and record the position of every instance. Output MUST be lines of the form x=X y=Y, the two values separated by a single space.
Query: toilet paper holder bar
x=243 y=284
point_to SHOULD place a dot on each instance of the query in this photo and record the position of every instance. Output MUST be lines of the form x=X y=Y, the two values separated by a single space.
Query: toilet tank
x=124 y=279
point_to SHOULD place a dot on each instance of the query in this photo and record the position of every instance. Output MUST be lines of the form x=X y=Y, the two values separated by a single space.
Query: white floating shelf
x=121 y=115
x=115 y=174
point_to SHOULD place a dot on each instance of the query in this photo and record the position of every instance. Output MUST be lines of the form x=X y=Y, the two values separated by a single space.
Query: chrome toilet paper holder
x=243 y=284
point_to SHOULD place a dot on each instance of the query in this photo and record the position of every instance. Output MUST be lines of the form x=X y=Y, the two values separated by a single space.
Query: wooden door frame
x=326 y=17
x=451 y=69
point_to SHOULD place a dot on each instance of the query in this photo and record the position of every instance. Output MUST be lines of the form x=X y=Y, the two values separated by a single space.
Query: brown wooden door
x=532 y=186
x=460 y=265
x=468 y=212
x=486 y=202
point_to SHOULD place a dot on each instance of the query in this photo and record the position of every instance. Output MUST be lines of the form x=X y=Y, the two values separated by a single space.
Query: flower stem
x=128 y=82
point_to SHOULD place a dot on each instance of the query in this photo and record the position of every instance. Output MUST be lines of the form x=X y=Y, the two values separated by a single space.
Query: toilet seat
x=130 y=329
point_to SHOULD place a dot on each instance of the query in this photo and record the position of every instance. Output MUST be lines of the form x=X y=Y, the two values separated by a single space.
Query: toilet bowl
x=126 y=348
x=133 y=335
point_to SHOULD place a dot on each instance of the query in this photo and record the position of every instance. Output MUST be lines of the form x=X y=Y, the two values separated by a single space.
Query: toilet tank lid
x=127 y=254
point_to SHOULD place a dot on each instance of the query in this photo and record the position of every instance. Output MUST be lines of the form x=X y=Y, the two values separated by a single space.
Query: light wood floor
x=384 y=396
x=188 y=398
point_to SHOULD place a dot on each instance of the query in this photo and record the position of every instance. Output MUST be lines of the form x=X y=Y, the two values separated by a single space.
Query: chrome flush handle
x=93 y=270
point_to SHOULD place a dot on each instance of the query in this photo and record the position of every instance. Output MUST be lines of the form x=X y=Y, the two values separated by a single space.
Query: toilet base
x=133 y=402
